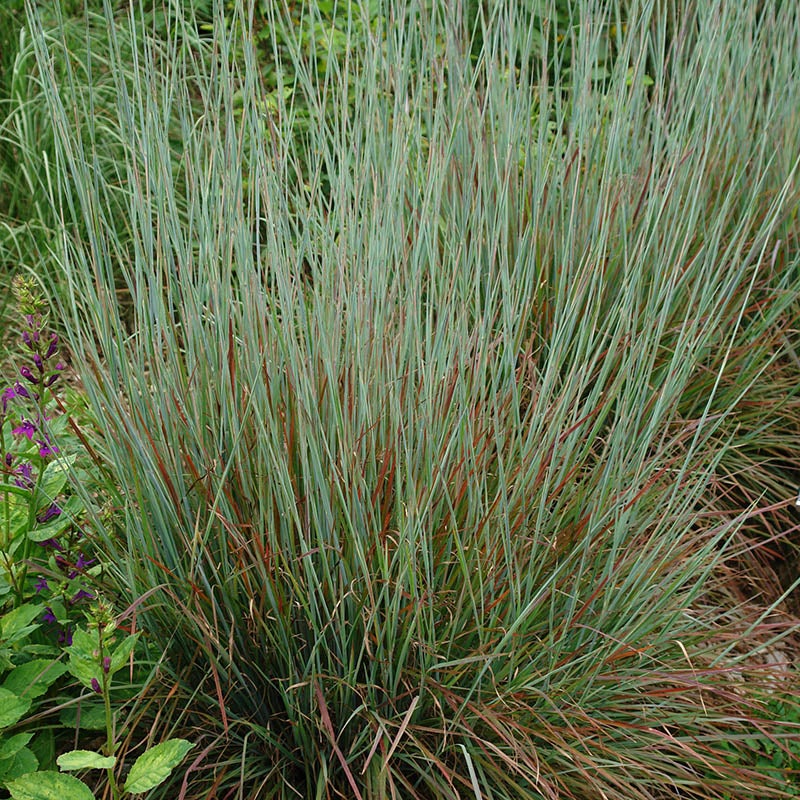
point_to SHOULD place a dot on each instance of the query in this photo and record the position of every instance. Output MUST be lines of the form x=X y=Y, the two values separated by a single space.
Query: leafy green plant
x=44 y=555
x=95 y=655
x=27 y=670
x=776 y=757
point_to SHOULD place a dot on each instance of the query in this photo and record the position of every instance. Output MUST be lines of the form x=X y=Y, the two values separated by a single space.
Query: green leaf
x=88 y=717
x=12 y=707
x=84 y=759
x=22 y=763
x=17 y=509
x=13 y=744
x=83 y=645
x=34 y=678
x=120 y=654
x=17 y=623
x=51 y=531
x=83 y=658
x=25 y=761
x=55 y=477
x=49 y=786
x=154 y=766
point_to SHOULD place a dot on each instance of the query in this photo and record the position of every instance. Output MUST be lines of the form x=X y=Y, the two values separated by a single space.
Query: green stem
x=109 y=748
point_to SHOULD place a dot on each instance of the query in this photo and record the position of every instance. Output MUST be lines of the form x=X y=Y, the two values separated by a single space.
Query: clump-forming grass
x=437 y=425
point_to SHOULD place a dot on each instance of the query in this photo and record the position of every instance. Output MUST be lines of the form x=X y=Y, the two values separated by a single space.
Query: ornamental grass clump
x=433 y=423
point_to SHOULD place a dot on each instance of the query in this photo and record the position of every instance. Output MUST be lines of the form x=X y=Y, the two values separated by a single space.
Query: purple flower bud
x=8 y=394
x=26 y=337
x=65 y=637
x=41 y=585
x=51 y=512
x=106 y=664
x=51 y=380
x=48 y=615
x=21 y=391
x=53 y=346
x=28 y=375
x=9 y=459
x=53 y=544
x=83 y=562
x=82 y=595
x=96 y=686
x=25 y=471
x=39 y=361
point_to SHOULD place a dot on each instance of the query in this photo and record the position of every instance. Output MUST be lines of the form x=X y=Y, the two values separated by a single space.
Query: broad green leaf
x=90 y=717
x=55 y=478
x=12 y=707
x=84 y=669
x=49 y=786
x=11 y=745
x=84 y=759
x=17 y=623
x=121 y=653
x=23 y=762
x=83 y=657
x=154 y=766
x=83 y=645
x=34 y=678
x=17 y=509
x=51 y=531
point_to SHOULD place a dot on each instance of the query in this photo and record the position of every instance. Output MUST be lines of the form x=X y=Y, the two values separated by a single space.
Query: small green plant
x=46 y=579
x=95 y=655
x=27 y=671
x=777 y=759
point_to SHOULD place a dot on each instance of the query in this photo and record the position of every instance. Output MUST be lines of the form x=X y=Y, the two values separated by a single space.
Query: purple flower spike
x=48 y=615
x=26 y=428
x=28 y=375
x=96 y=686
